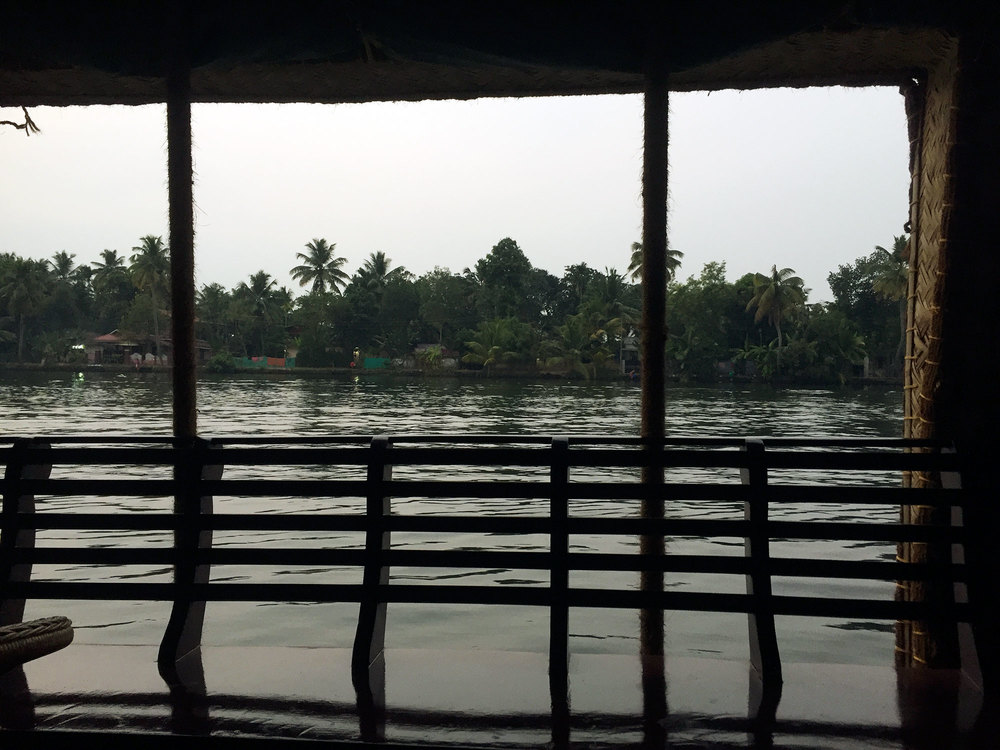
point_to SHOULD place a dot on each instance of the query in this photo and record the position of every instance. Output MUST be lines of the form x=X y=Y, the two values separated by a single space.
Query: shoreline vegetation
x=501 y=318
x=414 y=372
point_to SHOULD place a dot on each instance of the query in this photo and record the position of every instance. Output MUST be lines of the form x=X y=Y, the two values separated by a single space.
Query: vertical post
x=968 y=655
x=180 y=176
x=192 y=541
x=179 y=659
x=12 y=536
x=559 y=590
x=765 y=683
x=180 y=654
x=368 y=658
x=653 y=371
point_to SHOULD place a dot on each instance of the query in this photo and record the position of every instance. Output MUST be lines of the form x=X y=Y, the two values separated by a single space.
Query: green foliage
x=697 y=317
x=504 y=275
x=500 y=341
x=24 y=290
x=446 y=303
x=430 y=357
x=149 y=270
x=220 y=362
x=578 y=348
x=870 y=292
x=777 y=298
x=507 y=315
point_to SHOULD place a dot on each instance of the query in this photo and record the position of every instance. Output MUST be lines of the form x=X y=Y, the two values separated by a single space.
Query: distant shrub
x=221 y=362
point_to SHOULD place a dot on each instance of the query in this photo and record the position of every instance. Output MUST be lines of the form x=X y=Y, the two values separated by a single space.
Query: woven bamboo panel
x=931 y=107
x=863 y=57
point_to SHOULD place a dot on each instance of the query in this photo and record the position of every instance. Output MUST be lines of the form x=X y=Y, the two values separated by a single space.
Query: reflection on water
x=139 y=404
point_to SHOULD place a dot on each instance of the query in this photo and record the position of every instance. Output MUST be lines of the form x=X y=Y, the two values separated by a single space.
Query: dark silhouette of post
x=559 y=588
x=13 y=536
x=192 y=541
x=368 y=658
x=179 y=659
x=652 y=344
x=765 y=679
x=180 y=192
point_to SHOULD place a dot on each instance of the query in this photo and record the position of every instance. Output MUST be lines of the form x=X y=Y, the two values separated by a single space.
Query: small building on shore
x=117 y=348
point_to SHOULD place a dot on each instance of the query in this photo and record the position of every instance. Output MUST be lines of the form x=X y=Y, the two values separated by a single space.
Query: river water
x=137 y=404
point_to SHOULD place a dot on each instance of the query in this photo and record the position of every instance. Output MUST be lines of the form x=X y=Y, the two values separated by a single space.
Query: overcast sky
x=807 y=179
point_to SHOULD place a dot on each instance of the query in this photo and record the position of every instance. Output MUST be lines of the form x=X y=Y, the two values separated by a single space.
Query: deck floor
x=489 y=699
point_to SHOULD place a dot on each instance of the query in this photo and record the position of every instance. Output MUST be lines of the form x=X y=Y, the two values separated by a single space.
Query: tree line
x=502 y=314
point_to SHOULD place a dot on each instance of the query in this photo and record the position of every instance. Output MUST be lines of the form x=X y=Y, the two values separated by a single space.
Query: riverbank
x=349 y=372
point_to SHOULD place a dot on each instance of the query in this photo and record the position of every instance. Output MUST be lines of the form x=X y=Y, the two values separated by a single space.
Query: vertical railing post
x=764 y=657
x=368 y=658
x=559 y=590
x=193 y=464
x=12 y=536
x=179 y=659
x=968 y=654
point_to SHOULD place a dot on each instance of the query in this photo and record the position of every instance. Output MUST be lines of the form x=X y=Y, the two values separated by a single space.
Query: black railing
x=544 y=487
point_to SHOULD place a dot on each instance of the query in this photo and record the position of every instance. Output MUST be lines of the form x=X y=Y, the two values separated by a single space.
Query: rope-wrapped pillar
x=968 y=410
x=180 y=655
x=930 y=108
x=652 y=348
x=180 y=175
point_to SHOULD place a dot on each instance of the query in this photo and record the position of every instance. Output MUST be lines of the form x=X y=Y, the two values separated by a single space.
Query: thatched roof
x=263 y=51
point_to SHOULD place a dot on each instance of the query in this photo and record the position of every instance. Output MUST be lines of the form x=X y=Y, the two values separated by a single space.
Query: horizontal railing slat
x=488 y=559
x=678 y=527
x=798 y=470
x=843 y=608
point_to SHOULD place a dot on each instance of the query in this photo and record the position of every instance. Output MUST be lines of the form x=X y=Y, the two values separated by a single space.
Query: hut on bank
x=943 y=56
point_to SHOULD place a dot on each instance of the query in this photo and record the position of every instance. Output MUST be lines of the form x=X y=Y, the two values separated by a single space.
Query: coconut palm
x=150 y=268
x=112 y=288
x=262 y=301
x=23 y=289
x=67 y=296
x=62 y=266
x=110 y=273
x=577 y=347
x=498 y=340
x=211 y=305
x=377 y=273
x=320 y=268
x=673 y=261
x=776 y=297
x=892 y=282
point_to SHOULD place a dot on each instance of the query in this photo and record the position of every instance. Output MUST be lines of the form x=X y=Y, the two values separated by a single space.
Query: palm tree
x=260 y=295
x=320 y=268
x=62 y=266
x=150 y=266
x=892 y=282
x=64 y=305
x=497 y=340
x=577 y=347
x=112 y=288
x=673 y=261
x=211 y=304
x=24 y=288
x=776 y=297
x=375 y=275
x=111 y=273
